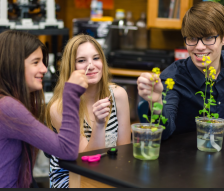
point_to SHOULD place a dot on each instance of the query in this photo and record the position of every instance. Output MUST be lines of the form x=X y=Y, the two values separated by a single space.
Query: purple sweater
x=24 y=127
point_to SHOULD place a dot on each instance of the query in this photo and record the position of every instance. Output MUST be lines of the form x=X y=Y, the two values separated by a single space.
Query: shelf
x=52 y=31
x=126 y=72
x=153 y=21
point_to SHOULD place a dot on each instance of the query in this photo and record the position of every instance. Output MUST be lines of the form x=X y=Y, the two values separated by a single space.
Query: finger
x=150 y=76
x=146 y=92
x=144 y=86
x=80 y=71
x=146 y=75
x=100 y=112
x=105 y=100
x=143 y=80
x=85 y=77
x=156 y=78
x=103 y=116
x=101 y=106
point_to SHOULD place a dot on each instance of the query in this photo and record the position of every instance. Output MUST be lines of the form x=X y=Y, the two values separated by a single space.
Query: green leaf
x=149 y=97
x=153 y=120
x=158 y=105
x=209 y=122
x=164 y=101
x=200 y=92
x=207 y=83
x=203 y=111
x=164 y=93
x=211 y=101
x=146 y=117
x=156 y=125
x=216 y=115
x=155 y=117
x=164 y=120
x=163 y=127
x=208 y=105
x=196 y=117
x=156 y=109
x=213 y=104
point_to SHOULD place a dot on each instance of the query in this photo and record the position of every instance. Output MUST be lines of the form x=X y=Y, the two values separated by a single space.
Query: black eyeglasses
x=193 y=41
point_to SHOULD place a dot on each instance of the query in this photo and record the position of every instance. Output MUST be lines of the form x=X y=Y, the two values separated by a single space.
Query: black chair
x=143 y=108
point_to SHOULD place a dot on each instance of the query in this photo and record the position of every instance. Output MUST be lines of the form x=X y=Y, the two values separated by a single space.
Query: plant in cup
x=210 y=77
x=210 y=128
x=147 y=137
x=157 y=106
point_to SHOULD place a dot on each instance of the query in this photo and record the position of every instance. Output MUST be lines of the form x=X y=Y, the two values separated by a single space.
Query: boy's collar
x=196 y=74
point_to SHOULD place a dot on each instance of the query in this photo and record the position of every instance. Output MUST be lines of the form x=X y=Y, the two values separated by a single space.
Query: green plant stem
x=210 y=97
x=162 y=106
x=206 y=74
x=151 y=104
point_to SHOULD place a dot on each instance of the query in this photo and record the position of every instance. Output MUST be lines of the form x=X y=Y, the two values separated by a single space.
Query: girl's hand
x=101 y=110
x=145 y=83
x=78 y=77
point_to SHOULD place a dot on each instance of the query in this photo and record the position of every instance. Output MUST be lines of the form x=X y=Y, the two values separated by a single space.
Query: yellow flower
x=156 y=81
x=208 y=57
x=156 y=70
x=203 y=59
x=204 y=70
x=212 y=72
x=203 y=64
x=211 y=68
x=208 y=62
x=170 y=83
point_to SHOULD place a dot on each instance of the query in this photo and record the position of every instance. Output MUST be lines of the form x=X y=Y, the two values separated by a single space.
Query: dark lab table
x=180 y=165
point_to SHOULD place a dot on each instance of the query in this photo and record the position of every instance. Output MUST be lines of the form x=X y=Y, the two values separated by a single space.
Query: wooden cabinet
x=174 y=16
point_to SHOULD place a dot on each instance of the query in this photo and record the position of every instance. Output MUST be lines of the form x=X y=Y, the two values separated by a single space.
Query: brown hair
x=15 y=47
x=68 y=65
x=204 y=19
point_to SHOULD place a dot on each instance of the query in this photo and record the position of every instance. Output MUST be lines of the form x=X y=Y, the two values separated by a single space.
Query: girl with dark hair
x=23 y=63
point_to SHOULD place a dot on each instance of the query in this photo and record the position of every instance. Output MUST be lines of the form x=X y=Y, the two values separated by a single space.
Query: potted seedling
x=210 y=127
x=147 y=136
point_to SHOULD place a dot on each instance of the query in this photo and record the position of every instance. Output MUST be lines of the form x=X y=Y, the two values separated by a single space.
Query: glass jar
x=146 y=144
x=209 y=135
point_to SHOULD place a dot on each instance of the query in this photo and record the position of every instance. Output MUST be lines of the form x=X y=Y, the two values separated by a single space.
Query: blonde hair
x=68 y=65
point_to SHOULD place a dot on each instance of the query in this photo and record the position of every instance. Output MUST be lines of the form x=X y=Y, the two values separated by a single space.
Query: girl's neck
x=91 y=93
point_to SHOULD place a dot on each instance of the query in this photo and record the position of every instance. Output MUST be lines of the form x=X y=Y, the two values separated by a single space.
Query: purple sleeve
x=23 y=126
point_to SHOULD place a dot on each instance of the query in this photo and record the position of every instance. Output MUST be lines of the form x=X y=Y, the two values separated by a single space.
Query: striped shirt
x=59 y=177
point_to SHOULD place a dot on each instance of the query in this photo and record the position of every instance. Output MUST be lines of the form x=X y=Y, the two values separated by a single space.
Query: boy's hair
x=204 y=19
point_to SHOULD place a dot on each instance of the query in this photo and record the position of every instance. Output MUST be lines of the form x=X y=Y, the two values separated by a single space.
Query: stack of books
x=174 y=10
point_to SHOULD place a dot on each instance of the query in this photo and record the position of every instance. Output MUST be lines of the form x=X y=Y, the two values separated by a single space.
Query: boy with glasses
x=203 y=33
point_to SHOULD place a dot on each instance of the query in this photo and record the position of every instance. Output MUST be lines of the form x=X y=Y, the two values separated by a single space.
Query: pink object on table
x=93 y=158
